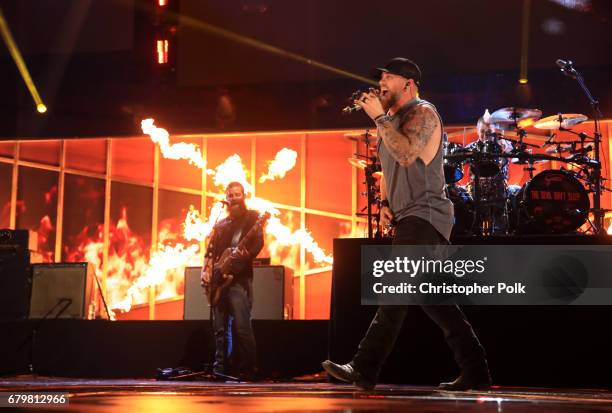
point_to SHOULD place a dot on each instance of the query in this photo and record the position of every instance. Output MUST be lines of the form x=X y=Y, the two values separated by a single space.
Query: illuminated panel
x=173 y=208
x=7 y=149
x=47 y=152
x=6 y=174
x=284 y=190
x=83 y=220
x=318 y=296
x=130 y=240
x=287 y=255
x=324 y=230
x=221 y=148
x=37 y=207
x=133 y=159
x=328 y=174
x=86 y=155
x=180 y=173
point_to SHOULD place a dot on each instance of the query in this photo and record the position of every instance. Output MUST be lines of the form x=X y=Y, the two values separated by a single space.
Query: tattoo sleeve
x=406 y=144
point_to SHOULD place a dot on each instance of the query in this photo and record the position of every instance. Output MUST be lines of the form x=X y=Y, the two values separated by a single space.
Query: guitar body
x=220 y=270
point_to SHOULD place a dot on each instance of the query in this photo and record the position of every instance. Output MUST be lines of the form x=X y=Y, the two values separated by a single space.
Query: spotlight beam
x=21 y=66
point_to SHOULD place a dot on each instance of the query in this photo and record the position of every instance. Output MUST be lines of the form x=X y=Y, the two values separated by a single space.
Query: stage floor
x=110 y=396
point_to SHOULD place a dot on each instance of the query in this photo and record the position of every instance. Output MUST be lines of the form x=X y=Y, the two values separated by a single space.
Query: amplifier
x=272 y=294
x=56 y=284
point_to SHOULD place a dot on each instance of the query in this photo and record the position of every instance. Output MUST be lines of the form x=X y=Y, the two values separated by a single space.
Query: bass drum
x=553 y=202
x=464 y=210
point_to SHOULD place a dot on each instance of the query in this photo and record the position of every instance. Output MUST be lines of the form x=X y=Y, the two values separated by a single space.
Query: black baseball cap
x=402 y=67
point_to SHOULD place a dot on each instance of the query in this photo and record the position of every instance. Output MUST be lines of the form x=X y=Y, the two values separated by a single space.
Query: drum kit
x=553 y=201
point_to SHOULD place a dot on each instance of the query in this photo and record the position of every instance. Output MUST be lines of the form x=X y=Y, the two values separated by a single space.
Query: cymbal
x=378 y=174
x=358 y=163
x=555 y=122
x=529 y=136
x=559 y=149
x=510 y=118
x=356 y=136
x=524 y=161
x=515 y=140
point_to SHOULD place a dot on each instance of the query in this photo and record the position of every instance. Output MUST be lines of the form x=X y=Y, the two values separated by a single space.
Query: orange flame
x=231 y=170
x=130 y=269
x=283 y=162
x=181 y=150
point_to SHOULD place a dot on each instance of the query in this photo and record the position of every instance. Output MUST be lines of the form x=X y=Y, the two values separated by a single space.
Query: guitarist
x=233 y=310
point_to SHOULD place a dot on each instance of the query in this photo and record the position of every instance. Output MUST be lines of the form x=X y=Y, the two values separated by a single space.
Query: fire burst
x=283 y=162
x=130 y=274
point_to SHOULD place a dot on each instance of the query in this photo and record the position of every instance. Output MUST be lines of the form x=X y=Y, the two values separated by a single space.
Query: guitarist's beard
x=238 y=209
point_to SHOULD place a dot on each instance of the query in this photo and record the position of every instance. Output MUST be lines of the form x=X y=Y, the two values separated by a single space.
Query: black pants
x=387 y=323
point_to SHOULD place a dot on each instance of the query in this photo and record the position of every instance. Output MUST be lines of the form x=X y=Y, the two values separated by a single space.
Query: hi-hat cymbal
x=358 y=163
x=562 y=120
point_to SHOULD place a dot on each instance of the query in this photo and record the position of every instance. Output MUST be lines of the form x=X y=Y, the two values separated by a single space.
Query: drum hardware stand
x=371 y=190
x=598 y=213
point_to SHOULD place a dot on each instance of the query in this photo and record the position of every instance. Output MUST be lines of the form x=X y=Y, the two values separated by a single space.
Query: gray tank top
x=417 y=190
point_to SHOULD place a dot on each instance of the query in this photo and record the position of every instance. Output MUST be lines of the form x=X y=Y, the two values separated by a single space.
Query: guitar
x=220 y=269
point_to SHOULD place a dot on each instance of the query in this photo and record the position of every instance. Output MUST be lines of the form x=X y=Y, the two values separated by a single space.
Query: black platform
x=526 y=345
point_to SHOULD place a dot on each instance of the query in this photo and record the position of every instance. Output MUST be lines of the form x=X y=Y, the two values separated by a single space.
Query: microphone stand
x=31 y=338
x=598 y=213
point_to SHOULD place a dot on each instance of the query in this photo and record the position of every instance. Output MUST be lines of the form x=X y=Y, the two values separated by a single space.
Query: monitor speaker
x=58 y=286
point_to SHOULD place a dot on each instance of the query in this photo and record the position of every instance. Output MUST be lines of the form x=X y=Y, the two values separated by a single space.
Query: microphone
x=224 y=202
x=351 y=109
x=566 y=67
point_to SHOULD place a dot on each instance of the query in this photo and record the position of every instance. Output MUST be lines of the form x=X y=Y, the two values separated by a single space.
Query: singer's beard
x=236 y=210
x=388 y=100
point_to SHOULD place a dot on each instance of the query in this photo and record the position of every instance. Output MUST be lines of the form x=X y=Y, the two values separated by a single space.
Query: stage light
x=523 y=81
x=162 y=3
x=21 y=66
x=162 y=52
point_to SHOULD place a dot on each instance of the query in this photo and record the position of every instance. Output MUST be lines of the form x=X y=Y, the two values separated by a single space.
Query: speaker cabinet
x=15 y=283
x=56 y=285
x=272 y=294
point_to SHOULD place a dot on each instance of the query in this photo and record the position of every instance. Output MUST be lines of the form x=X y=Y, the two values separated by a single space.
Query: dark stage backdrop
x=445 y=37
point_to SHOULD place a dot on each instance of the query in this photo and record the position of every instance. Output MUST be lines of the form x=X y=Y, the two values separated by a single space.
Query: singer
x=236 y=296
x=410 y=152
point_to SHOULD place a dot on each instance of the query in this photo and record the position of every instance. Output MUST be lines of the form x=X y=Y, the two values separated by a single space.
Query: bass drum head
x=553 y=202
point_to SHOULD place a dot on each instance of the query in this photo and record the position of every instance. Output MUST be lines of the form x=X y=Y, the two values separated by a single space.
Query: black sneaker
x=347 y=373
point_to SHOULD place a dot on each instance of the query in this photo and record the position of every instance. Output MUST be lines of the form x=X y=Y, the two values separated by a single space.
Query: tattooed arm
x=416 y=130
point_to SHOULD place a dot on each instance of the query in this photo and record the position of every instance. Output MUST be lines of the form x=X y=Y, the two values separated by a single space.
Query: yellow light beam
x=525 y=41
x=257 y=44
x=23 y=70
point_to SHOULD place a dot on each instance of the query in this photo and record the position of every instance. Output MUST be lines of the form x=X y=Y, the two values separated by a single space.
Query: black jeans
x=233 y=315
x=387 y=323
